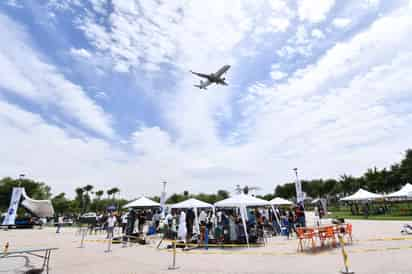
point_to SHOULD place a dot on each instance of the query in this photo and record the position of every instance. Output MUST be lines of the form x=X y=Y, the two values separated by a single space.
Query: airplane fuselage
x=215 y=78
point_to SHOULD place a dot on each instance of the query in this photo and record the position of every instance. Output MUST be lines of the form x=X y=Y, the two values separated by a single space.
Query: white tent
x=142 y=202
x=404 y=192
x=195 y=204
x=192 y=203
x=242 y=201
x=280 y=201
x=362 y=195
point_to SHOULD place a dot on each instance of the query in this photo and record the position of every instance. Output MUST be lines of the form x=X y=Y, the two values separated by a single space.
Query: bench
x=45 y=254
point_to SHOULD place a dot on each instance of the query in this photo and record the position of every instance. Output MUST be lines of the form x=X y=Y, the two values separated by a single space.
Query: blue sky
x=98 y=92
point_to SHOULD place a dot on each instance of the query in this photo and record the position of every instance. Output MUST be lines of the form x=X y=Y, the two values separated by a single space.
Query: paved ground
x=378 y=248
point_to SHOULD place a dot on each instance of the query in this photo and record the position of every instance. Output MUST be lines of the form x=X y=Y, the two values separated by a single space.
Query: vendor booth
x=242 y=202
x=195 y=205
x=140 y=211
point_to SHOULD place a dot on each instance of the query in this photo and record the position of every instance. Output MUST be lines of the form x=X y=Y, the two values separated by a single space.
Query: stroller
x=406 y=229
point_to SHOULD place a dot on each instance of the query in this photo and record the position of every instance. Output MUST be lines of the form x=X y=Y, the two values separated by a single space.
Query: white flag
x=14 y=205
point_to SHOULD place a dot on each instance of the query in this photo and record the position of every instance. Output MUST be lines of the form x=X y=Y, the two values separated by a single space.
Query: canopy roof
x=362 y=195
x=192 y=203
x=241 y=200
x=142 y=202
x=280 y=201
x=405 y=191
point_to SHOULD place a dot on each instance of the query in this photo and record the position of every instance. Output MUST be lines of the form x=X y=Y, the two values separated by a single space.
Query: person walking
x=111 y=223
x=59 y=223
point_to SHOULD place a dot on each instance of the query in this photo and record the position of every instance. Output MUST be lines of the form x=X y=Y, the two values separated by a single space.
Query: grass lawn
x=348 y=215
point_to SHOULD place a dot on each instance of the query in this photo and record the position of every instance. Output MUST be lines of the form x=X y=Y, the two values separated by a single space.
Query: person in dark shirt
x=190 y=217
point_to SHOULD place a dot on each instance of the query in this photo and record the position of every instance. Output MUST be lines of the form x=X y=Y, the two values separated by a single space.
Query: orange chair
x=348 y=231
x=330 y=234
x=305 y=235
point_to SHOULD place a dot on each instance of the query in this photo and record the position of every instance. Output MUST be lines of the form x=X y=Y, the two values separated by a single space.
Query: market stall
x=242 y=202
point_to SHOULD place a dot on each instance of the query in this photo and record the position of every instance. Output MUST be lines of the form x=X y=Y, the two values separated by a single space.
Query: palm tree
x=115 y=190
x=109 y=192
x=88 y=189
x=79 y=197
x=99 y=194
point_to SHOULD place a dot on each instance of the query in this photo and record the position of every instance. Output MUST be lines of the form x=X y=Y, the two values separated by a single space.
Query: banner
x=14 y=204
x=163 y=200
x=299 y=193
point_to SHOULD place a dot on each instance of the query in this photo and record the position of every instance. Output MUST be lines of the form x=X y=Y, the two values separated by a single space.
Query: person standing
x=124 y=221
x=60 y=221
x=111 y=223
x=190 y=217
x=182 y=232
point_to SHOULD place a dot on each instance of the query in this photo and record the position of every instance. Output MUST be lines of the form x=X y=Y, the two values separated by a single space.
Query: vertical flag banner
x=14 y=204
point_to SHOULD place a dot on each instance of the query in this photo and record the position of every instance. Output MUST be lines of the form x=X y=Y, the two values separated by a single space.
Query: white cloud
x=317 y=33
x=341 y=22
x=80 y=53
x=276 y=73
x=314 y=11
x=344 y=107
x=23 y=72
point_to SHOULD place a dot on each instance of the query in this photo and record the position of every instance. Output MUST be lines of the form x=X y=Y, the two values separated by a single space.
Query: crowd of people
x=217 y=226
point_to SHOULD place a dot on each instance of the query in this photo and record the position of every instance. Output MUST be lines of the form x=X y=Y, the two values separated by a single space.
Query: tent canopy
x=405 y=191
x=192 y=203
x=362 y=195
x=240 y=200
x=280 y=201
x=142 y=202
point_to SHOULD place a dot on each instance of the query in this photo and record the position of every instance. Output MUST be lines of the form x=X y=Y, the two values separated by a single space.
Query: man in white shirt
x=124 y=222
x=202 y=217
x=111 y=223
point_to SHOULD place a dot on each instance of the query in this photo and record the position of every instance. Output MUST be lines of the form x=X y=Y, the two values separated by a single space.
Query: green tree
x=61 y=204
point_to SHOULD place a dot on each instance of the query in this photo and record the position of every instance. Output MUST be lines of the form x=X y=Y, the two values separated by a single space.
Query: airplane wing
x=222 y=70
x=201 y=74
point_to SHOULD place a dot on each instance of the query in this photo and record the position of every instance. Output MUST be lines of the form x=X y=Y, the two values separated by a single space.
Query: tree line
x=87 y=198
x=376 y=180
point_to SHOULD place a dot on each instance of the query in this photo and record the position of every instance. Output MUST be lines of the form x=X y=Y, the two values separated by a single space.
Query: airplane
x=215 y=78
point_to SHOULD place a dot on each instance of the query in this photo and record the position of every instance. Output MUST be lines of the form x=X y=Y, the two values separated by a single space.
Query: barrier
x=109 y=244
x=6 y=248
x=83 y=232
x=173 y=266
x=345 y=257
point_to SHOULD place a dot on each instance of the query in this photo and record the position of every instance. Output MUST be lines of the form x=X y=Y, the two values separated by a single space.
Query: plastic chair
x=330 y=234
x=305 y=235
x=348 y=231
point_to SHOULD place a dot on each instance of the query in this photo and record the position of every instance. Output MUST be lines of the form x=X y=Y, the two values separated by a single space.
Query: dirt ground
x=378 y=247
